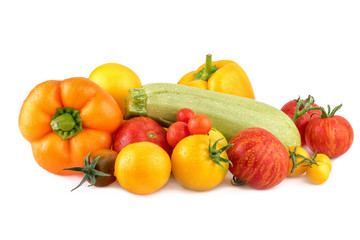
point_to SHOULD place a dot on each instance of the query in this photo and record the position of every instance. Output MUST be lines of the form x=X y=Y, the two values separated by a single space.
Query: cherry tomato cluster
x=188 y=123
x=317 y=168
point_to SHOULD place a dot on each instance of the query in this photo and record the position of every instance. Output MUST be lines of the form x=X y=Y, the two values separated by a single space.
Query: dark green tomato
x=105 y=164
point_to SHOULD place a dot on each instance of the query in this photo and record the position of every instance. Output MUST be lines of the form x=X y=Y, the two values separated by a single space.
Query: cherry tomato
x=199 y=124
x=323 y=158
x=318 y=174
x=184 y=115
x=176 y=132
x=299 y=154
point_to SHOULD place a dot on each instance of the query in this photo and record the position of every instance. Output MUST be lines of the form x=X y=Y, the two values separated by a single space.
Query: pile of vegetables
x=109 y=128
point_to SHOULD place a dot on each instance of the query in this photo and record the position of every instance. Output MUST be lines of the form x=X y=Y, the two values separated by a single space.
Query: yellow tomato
x=299 y=170
x=318 y=174
x=116 y=79
x=142 y=167
x=192 y=165
x=323 y=158
x=215 y=135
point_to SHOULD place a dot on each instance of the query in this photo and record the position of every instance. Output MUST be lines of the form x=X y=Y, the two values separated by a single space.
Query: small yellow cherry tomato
x=323 y=158
x=318 y=174
x=297 y=152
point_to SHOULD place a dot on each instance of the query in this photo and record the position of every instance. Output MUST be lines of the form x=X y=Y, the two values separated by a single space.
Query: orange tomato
x=65 y=120
x=142 y=167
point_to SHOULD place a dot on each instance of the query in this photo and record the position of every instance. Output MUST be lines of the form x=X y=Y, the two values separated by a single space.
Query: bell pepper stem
x=207 y=71
x=208 y=65
x=66 y=122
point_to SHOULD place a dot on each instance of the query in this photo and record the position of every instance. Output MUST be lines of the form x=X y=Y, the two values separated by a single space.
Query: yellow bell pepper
x=223 y=76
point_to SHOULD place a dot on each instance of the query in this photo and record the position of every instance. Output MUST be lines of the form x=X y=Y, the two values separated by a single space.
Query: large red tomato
x=258 y=158
x=290 y=108
x=140 y=129
x=331 y=134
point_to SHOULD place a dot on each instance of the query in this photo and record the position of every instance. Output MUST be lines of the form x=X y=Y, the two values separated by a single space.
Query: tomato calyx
x=89 y=171
x=329 y=113
x=215 y=153
x=293 y=156
x=235 y=181
x=305 y=106
x=66 y=122
x=207 y=71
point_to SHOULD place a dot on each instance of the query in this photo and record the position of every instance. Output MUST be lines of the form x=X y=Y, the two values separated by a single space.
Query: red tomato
x=176 y=132
x=199 y=124
x=184 y=115
x=301 y=123
x=258 y=158
x=330 y=135
x=140 y=129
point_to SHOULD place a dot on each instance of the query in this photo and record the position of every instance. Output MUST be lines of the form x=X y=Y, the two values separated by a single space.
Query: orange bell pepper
x=65 y=120
x=223 y=76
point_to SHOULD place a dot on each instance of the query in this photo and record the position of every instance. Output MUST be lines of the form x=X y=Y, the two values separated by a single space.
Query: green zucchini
x=229 y=114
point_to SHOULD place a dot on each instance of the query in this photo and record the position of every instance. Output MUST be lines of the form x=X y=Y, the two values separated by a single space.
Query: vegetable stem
x=207 y=71
x=215 y=153
x=305 y=105
x=66 y=122
x=293 y=155
x=89 y=171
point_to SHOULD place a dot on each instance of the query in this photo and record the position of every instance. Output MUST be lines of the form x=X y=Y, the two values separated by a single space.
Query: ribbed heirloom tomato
x=331 y=134
x=259 y=159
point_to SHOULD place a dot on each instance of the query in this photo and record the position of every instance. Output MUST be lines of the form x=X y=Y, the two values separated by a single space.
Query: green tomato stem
x=293 y=155
x=89 y=171
x=305 y=105
x=215 y=153
x=329 y=113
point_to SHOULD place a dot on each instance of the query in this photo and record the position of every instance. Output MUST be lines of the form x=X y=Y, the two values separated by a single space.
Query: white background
x=287 y=48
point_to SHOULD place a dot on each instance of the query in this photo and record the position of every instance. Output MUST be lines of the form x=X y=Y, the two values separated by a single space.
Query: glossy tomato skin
x=331 y=136
x=184 y=115
x=140 y=129
x=259 y=159
x=176 y=132
x=199 y=124
x=105 y=164
x=301 y=123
